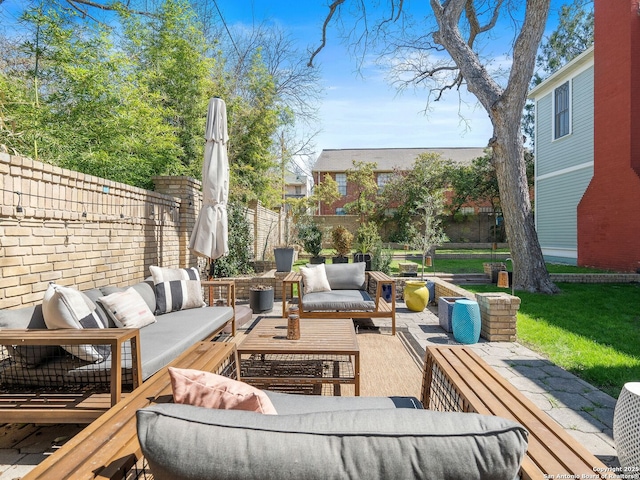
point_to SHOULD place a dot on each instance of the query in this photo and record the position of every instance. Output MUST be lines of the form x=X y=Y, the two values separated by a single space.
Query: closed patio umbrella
x=210 y=235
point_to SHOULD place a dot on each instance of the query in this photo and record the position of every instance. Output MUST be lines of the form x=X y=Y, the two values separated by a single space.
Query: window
x=298 y=190
x=340 y=211
x=383 y=179
x=561 y=111
x=341 y=179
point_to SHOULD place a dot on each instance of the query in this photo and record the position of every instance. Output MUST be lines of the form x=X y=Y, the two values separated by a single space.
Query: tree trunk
x=505 y=106
x=529 y=270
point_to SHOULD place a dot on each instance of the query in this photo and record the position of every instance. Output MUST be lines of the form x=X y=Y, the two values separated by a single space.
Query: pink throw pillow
x=204 y=389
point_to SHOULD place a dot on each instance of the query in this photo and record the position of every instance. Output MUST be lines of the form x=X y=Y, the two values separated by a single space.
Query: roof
x=387 y=159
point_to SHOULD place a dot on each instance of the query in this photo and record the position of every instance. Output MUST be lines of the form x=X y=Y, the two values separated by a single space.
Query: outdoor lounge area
x=415 y=363
x=377 y=350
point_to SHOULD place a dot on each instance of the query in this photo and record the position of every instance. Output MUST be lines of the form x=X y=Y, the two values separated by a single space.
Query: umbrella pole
x=212 y=271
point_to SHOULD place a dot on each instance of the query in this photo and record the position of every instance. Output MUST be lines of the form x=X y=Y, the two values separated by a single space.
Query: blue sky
x=359 y=112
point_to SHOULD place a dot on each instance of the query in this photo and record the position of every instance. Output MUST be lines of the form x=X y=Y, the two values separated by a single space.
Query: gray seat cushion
x=174 y=332
x=356 y=300
x=182 y=441
x=286 y=403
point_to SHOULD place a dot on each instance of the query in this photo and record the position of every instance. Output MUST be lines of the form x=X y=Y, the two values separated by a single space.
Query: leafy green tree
x=362 y=178
x=254 y=119
x=173 y=63
x=19 y=117
x=79 y=102
x=238 y=261
x=429 y=233
x=478 y=182
x=573 y=35
x=407 y=190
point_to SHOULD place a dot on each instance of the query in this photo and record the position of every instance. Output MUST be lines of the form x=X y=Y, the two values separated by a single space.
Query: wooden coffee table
x=326 y=353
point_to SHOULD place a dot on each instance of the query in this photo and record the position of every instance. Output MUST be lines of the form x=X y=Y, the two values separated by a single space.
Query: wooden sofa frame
x=455 y=379
x=383 y=309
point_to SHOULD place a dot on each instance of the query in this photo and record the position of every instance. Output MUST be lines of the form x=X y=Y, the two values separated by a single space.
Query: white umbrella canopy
x=210 y=234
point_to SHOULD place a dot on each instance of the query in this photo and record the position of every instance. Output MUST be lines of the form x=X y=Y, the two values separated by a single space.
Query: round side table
x=465 y=321
x=626 y=427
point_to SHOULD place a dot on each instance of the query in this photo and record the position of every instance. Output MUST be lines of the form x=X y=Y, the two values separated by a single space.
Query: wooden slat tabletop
x=333 y=336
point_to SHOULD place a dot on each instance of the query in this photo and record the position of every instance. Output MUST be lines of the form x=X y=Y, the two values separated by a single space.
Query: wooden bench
x=383 y=309
x=457 y=379
x=108 y=447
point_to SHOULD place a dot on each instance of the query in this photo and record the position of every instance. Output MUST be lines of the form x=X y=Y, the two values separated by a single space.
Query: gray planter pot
x=363 y=257
x=445 y=312
x=261 y=300
x=284 y=258
x=340 y=259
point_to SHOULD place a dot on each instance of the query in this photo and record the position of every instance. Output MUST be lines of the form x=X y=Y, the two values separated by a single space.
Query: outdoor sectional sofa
x=41 y=382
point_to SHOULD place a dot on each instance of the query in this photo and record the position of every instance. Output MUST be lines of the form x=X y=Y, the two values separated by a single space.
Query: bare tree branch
x=116 y=6
x=332 y=10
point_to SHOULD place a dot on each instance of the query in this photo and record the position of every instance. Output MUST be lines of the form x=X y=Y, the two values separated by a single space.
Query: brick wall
x=84 y=231
x=268 y=230
x=75 y=229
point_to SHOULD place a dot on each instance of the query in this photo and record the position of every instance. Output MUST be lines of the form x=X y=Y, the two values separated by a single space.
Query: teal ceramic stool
x=466 y=321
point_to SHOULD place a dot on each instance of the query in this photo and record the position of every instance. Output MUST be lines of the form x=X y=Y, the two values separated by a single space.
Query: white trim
x=568 y=82
x=564 y=171
x=572 y=69
x=560 y=252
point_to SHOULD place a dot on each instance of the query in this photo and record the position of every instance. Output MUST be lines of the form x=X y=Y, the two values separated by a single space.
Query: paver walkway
x=583 y=410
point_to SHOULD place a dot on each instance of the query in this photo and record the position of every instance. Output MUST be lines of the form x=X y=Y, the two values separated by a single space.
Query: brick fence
x=85 y=231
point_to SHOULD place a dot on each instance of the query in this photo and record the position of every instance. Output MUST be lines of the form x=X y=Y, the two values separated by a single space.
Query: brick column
x=188 y=191
x=499 y=316
x=609 y=211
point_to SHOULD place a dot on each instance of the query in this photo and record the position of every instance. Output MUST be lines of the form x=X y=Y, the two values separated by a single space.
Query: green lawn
x=475 y=266
x=591 y=330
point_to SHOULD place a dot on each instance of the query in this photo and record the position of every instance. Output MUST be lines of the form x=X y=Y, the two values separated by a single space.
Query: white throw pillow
x=315 y=279
x=128 y=309
x=65 y=307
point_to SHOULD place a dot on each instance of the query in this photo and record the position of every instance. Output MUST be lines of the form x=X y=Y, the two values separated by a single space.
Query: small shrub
x=238 y=261
x=367 y=238
x=342 y=240
x=311 y=237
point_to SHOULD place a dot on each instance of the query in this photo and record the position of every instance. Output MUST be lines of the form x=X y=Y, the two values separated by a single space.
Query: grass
x=591 y=330
x=472 y=265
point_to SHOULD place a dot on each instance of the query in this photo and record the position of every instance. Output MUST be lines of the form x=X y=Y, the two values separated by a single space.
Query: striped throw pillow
x=176 y=289
x=65 y=307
